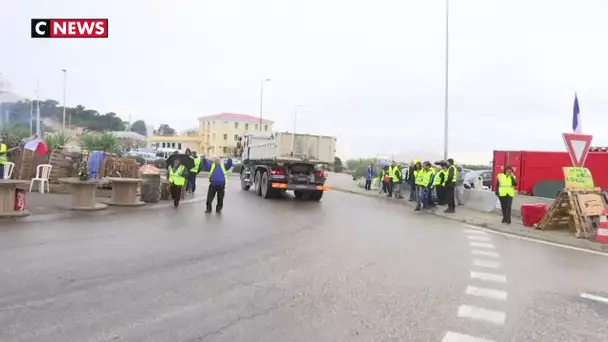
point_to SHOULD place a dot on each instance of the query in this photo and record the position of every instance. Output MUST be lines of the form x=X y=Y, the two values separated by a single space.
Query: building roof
x=234 y=117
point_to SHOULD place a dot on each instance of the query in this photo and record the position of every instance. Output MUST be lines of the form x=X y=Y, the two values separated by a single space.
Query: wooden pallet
x=566 y=212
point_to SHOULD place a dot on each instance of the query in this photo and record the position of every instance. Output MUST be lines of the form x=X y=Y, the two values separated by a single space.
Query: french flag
x=577 y=126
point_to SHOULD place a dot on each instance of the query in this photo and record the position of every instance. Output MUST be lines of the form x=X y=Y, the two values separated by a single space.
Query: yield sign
x=578 y=147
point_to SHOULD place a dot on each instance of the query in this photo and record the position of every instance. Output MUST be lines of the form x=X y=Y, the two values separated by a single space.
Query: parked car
x=486 y=176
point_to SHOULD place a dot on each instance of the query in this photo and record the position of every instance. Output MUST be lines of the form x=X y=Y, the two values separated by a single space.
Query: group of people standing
x=180 y=177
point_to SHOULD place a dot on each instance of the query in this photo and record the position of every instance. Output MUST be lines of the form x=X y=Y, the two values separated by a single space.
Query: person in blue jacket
x=370 y=173
x=218 y=177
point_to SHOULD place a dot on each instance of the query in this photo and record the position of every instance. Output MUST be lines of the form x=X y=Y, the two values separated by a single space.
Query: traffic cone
x=601 y=235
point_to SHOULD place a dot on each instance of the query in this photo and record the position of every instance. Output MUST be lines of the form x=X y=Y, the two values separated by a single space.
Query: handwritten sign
x=578 y=178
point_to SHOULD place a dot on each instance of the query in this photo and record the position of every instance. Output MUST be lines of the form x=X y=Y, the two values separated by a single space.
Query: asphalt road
x=349 y=268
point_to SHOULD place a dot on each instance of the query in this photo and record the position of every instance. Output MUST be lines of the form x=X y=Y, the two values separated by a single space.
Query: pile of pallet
x=577 y=210
x=119 y=167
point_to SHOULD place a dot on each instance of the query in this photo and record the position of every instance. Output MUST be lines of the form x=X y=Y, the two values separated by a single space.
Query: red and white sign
x=578 y=146
x=69 y=28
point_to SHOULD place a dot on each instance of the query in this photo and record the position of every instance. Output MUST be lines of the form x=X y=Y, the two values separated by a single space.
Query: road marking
x=484 y=263
x=595 y=298
x=485 y=253
x=486 y=293
x=481 y=245
x=496 y=278
x=456 y=337
x=481 y=314
x=554 y=244
x=475 y=231
x=478 y=238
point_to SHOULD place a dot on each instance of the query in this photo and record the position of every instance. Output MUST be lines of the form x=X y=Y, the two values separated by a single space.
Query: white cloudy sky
x=369 y=72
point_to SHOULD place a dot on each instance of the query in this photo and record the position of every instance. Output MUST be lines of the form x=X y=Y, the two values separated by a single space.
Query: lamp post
x=65 y=86
x=262 y=99
x=38 y=108
x=295 y=120
x=447 y=56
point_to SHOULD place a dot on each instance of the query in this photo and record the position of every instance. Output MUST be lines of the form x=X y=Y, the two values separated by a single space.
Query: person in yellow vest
x=398 y=182
x=193 y=172
x=3 y=157
x=450 y=184
x=421 y=186
x=411 y=178
x=505 y=190
x=429 y=179
x=391 y=175
x=439 y=181
x=177 y=177
x=218 y=178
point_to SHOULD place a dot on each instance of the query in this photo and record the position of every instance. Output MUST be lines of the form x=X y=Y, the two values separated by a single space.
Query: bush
x=160 y=163
x=237 y=168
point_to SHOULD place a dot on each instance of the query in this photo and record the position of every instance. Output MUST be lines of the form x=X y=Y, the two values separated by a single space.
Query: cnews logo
x=69 y=28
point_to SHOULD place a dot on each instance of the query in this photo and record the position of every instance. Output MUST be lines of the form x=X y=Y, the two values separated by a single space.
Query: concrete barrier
x=479 y=200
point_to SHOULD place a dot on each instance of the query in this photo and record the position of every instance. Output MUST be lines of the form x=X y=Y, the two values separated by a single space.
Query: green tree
x=358 y=166
x=338 y=167
x=139 y=127
x=165 y=130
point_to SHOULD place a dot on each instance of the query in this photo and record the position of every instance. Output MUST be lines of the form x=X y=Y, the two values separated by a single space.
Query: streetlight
x=65 y=85
x=262 y=99
x=38 y=107
x=295 y=119
x=447 y=56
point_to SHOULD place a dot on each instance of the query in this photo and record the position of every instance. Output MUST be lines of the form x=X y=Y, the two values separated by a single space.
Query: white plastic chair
x=8 y=170
x=43 y=172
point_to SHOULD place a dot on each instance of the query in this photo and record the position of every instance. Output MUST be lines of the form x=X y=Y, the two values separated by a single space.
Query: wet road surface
x=349 y=268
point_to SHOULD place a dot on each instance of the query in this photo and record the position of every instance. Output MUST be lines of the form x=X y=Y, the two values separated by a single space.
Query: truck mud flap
x=304 y=187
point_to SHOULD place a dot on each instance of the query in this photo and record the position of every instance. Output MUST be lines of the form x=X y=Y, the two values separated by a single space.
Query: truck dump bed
x=317 y=149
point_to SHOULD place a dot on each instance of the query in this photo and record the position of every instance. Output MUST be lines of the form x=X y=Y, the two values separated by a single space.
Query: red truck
x=540 y=173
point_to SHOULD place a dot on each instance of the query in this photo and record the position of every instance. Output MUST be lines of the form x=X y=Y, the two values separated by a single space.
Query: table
x=7 y=198
x=124 y=191
x=83 y=193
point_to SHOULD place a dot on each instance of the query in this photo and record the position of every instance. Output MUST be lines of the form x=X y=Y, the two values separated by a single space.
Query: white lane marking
x=481 y=245
x=554 y=244
x=485 y=253
x=491 y=316
x=478 y=238
x=486 y=293
x=475 y=231
x=456 y=337
x=496 y=278
x=485 y=263
x=595 y=298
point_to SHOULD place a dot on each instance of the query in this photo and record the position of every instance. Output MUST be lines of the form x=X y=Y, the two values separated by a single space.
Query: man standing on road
x=193 y=172
x=218 y=177
x=422 y=181
x=450 y=185
x=369 y=175
x=3 y=157
x=391 y=182
x=398 y=182
x=411 y=179
x=505 y=190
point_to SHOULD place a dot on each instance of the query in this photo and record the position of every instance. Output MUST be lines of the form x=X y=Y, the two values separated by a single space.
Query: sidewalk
x=486 y=220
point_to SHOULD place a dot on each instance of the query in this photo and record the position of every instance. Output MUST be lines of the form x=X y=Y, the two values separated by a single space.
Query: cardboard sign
x=578 y=178
x=591 y=204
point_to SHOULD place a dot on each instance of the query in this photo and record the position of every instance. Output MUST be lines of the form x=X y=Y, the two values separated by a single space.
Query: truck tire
x=244 y=184
x=297 y=194
x=258 y=182
x=316 y=196
x=265 y=187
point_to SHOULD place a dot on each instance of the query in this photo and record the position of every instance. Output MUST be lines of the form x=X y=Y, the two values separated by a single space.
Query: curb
x=67 y=214
x=526 y=232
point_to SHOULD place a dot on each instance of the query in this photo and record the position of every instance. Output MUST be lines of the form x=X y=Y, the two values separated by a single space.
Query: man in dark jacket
x=450 y=185
x=411 y=179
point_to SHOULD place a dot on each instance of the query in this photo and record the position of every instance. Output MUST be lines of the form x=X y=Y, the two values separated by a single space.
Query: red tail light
x=277 y=171
x=320 y=174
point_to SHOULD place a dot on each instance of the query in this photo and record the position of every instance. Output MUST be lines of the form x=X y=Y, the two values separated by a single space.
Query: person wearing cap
x=3 y=157
x=450 y=185
x=505 y=190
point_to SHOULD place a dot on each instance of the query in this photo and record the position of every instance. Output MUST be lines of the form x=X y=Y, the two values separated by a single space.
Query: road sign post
x=578 y=146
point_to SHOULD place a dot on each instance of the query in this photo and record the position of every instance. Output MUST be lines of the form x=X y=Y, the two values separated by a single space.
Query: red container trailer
x=532 y=168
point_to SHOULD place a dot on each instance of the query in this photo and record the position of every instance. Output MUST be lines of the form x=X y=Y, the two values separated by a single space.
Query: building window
x=236 y=137
x=225 y=149
x=246 y=127
x=225 y=136
x=213 y=124
x=236 y=125
x=172 y=145
x=179 y=146
x=266 y=128
x=256 y=127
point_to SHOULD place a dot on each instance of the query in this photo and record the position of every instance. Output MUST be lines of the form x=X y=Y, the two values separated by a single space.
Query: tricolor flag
x=577 y=127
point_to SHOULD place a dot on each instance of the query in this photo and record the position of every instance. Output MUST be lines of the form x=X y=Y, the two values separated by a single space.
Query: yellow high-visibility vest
x=197 y=164
x=505 y=185
x=438 y=180
x=391 y=171
x=455 y=179
x=3 y=157
x=176 y=176
x=420 y=177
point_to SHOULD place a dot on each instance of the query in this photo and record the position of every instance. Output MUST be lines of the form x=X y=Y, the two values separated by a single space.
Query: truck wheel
x=316 y=196
x=266 y=190
x=297 y=194
x=258 y=182
x=244 y=184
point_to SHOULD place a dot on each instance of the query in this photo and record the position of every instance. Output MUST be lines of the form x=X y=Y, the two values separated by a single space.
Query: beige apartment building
x=219 y=133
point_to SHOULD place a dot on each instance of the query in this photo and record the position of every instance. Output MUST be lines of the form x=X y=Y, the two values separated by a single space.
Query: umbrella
x=383 y=164
x=184 y=160
x=38 y=146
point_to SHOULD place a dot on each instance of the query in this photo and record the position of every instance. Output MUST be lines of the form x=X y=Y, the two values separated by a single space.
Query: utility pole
x=447 y=58
x=65 y=86
x=262 y=100
x=38 y=108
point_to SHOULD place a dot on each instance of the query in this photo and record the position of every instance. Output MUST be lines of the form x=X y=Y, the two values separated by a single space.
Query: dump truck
x=274 y=163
